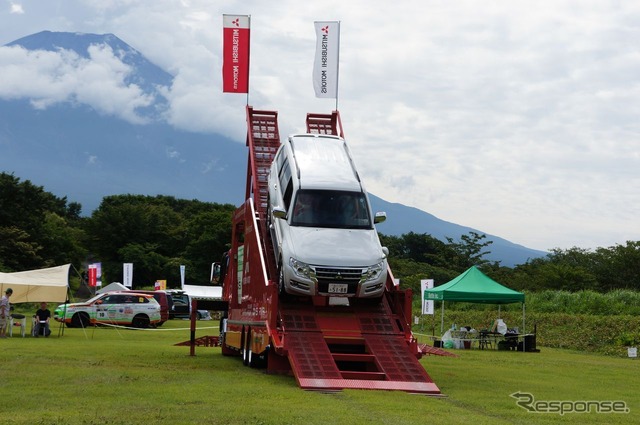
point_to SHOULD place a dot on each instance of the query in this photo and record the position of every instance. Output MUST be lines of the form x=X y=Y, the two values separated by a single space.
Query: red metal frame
x=367 y=344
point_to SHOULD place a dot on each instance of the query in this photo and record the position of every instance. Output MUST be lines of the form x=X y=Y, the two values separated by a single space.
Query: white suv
x=320 y=221
x=115 y=308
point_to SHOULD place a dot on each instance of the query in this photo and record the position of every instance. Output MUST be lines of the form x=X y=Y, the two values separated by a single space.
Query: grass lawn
x=113 y=376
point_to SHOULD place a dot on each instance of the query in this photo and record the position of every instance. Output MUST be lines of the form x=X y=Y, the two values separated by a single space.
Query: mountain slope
x=402 y=219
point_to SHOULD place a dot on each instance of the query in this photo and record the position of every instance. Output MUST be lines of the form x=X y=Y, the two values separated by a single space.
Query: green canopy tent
x=473 y=286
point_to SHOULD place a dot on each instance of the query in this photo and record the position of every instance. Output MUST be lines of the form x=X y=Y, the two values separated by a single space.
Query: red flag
x=93 y=275
x=235 y=53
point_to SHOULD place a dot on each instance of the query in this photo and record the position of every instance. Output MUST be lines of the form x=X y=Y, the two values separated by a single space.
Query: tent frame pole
x=524 y=339
x=442 y=320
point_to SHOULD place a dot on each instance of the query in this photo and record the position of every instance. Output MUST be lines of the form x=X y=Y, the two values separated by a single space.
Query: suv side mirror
x=279 y=212
x=380 y=217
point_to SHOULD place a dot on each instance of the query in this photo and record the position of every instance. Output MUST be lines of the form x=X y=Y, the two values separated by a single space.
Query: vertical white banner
x=182 y=272
x=127 y=274
x=98 y=274
x=427 y=305
x=325 y=65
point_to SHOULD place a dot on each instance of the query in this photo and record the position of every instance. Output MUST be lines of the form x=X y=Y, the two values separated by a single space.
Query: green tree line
x=159 y=233
x=155 y=233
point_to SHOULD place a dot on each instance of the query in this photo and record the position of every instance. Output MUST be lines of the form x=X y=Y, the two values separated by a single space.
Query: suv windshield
x=331 y=208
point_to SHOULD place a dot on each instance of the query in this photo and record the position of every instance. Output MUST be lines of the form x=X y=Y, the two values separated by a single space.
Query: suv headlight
x=372 y=272
x=302 y=269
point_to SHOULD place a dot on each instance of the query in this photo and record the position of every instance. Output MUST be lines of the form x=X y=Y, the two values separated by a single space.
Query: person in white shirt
x=5 y=312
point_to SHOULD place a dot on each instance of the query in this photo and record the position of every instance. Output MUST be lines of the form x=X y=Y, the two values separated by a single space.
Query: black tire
x=262 y=360
x=141 y=321
x=250 y=358
x=258 y=361
x=80 y=320
x=282 y=292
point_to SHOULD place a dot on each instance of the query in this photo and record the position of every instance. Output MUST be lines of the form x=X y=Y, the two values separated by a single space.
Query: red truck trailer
x=327 y=343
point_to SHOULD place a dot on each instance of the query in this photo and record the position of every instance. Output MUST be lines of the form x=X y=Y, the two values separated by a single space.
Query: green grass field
x=112 y=376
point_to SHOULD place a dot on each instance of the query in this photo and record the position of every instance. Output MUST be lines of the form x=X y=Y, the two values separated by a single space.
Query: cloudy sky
x=519 y=118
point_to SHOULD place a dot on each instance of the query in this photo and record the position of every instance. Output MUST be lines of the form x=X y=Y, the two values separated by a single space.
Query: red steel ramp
x=335 y=349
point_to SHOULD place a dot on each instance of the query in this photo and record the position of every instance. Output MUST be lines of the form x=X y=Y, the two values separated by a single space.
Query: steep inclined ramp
x=334 y=348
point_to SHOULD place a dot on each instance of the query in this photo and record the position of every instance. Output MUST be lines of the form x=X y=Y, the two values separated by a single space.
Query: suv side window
x=286 y=197
x=286 y=183
x=110 y=299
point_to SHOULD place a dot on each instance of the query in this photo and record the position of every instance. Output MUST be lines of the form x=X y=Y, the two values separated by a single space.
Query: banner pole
x=338 y=67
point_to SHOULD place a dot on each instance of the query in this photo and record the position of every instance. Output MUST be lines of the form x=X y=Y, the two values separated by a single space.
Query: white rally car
x=117 y=308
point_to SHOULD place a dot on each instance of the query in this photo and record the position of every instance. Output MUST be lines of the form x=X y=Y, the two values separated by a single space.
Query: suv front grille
x=327 y=275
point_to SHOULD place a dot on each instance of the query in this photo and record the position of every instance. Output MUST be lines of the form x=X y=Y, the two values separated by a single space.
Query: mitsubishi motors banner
x=235 y=53
x=127 y=274
x=92 y=273
x=325 y=66
x=427 y=306
x=95 y=275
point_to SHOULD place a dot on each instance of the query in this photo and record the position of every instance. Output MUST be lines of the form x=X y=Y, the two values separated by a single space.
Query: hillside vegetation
x=580 y=298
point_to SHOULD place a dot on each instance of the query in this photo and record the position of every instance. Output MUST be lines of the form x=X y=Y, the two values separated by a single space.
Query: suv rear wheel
x=141 y=321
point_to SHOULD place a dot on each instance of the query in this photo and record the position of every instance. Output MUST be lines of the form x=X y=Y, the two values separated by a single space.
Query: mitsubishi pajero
x=320 y=221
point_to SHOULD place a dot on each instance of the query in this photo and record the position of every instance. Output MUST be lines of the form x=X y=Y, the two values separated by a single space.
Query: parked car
x=203 y=315
x=119 y=308
x=166 y=303
x=181 y=303
x=181 y=306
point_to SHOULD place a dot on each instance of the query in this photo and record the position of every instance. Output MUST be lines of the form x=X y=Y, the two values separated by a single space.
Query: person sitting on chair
x=42 y=321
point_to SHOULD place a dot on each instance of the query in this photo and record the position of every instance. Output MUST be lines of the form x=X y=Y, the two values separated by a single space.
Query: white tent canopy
x=35 y=286
x=113 y=286
x=203 y=292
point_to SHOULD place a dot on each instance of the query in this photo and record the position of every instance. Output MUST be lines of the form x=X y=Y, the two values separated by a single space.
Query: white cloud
x=53 y=77
x=172 y=153
x=16 y=8
x=91 y=159
x=514 y=117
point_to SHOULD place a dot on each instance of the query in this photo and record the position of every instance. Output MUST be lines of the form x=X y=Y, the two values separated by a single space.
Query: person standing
x=5 y=312
x=42 y=320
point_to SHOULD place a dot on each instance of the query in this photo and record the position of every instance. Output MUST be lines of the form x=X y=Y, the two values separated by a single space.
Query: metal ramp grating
x=263 y=139
x=395 y=359
x=325 y=124
x=298 y=321
x=310 y=357
x=322 y=347
x=377 y=325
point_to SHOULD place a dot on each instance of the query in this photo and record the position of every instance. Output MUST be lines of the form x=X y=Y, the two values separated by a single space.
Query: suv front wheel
x=141 y=321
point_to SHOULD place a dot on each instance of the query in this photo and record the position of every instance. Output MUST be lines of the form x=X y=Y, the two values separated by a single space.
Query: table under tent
x=473 y=286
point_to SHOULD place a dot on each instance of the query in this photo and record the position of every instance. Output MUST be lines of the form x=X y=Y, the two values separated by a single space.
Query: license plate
x=338 y=288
